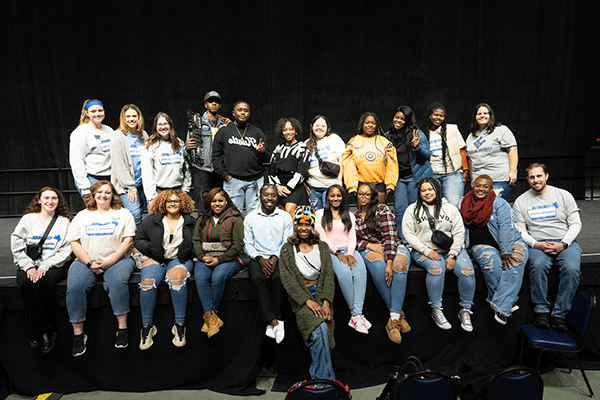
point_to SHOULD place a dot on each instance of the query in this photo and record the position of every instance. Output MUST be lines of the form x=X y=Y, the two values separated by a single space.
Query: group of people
x=298 y=231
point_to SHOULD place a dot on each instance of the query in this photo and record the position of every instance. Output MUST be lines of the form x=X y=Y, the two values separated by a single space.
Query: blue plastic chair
x=425 y=385
x=518 y=382
x=548 y=340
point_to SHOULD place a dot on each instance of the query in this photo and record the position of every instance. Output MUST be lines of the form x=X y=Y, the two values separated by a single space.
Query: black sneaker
x=560 y=325
x=79 y=342
x=501 y=319
x=542 y=321
x=121 y=342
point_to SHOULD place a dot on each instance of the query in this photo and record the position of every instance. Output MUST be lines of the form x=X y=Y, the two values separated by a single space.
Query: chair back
x=427 y=384
x=318 y=389
x=581 y=311
x=518 y=382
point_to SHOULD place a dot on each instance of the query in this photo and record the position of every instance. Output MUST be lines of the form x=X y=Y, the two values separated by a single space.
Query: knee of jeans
x=435 y=269
x=400 y=263
x=147 y=284
x=372 y=256
x=519 y=252
x=467 y=271
x=176 y=277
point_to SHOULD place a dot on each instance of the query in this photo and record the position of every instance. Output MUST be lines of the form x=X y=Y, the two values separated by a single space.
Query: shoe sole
x=444 y=327
x=84 y=347
x=356 y=327
x=120 y=346
x=498 y=320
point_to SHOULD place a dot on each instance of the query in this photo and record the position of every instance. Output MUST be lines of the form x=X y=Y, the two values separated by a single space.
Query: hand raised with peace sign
x=415 y=139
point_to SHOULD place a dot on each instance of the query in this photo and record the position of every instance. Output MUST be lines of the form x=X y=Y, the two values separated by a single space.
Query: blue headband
x=93 y=103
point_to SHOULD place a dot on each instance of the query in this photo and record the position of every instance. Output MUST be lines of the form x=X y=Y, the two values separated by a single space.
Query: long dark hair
x=207 y=214
x=371 y=207
x=311 y=240
x=438 y=196
x=312 y=139
x=436 y=105
x=327 y=220
x=490 y=126
x=410 y=124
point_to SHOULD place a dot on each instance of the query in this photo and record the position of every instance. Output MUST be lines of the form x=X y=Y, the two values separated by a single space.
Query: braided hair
x=436 y=105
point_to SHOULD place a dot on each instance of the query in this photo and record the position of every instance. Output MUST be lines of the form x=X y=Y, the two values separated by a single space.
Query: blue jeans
x=404 y=195
x=136 y=208
x=502 y=189
x=317 y=197
x=435 y=281
x=453 y=187
x=81 y=279
x=393 y=295
x=244 y=192
x=179 y=293
x=321 y=366
x=92 y=181
x=210 y=282
x=568 y=262
x=353 y=281
x=503 y=284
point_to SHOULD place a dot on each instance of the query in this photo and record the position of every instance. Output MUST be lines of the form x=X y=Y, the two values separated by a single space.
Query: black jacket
x=149 y=237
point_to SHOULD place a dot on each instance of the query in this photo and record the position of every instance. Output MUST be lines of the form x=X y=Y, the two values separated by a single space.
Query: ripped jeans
x=393 y=295
x=436 y=271
x=503 y=284
x=151 y=276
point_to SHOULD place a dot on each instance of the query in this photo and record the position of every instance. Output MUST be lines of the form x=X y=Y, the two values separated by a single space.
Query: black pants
x=268 y=291
x=203 y=182
x=40 y=304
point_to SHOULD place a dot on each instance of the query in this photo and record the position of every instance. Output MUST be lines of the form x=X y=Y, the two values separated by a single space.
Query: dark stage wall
x=535 y=63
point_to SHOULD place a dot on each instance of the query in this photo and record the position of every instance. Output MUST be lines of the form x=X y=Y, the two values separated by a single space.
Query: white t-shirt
x=488 y=155
x=435 y=146
x=330 y=148
x=101 y=234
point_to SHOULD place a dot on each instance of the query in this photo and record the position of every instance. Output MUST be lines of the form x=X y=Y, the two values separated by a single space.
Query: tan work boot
x=206 y=317
x=404 y=326
x=215 y=323
x=393 y=330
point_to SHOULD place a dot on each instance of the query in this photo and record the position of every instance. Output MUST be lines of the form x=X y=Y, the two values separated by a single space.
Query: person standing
x=548 y=219
x=239 y=152
x=265 y=231
x=198 y=150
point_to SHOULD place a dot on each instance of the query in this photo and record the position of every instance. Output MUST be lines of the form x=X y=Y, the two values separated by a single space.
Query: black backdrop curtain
x=534 y=62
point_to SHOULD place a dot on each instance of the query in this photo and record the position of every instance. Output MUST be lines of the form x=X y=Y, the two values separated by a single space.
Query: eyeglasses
x=173 y=201
x=479 y=186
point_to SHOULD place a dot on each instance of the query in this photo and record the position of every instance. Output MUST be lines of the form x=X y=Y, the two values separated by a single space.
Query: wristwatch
x=565 y=244
x=89 y=264
x=337 y=252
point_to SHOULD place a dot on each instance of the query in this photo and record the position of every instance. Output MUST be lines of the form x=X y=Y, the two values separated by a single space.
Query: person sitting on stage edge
x=548 y=219
x=265 y=231
x=307 y=276
x=41 y=268
x=101 y=238
x=165 y=236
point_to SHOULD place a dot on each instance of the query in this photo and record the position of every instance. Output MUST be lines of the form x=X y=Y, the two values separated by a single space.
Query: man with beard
x=239 y=152
x=548 y=219
x=266 y=229
x=198 y=151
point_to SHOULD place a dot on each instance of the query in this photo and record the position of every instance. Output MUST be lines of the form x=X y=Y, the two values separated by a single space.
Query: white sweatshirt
x=56 y=249
x=163 y=168
x=89 y=153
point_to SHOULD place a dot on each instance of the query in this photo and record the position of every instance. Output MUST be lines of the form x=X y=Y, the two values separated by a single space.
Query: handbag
x=439 y=238
x=34 y=251
x=327 y=168
x=411 y=365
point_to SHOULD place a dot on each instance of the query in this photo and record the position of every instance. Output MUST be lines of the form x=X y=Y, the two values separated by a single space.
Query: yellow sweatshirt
x=370 y=159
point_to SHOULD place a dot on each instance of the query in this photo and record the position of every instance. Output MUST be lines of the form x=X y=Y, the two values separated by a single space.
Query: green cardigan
x=298 y=293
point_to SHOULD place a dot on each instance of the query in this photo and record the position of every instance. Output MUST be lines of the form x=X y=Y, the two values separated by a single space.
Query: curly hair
x=62 y=208
x=123 y=127
x=311 y=240
x=438 y=196
x=435 y=106
x=490 y=126
x=159 y=204
x=84 y=118
x=344 y=209
x=155 y=137
x=312 y=140
x=207 y=214
x=371 y=207
x=115 y=202
x=281 y=124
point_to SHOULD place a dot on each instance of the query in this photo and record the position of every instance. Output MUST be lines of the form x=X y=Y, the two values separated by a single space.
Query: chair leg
x=522 y=344
x=567 y=361
x=539 y=359
x=584 y=376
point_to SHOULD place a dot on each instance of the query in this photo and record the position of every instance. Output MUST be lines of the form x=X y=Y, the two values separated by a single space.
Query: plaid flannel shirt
x=386 y=233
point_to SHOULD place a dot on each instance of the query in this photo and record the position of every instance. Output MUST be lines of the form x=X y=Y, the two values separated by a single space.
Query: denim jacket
x=501 y=227
x=419 y=158
x=201 y=157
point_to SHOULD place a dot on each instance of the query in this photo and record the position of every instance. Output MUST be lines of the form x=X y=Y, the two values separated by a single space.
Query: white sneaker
x=465 y=319
x=365 y=321
x=279 y=332
x=440 y=319
x=269 y=332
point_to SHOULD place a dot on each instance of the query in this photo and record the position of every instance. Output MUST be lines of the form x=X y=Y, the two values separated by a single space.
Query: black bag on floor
x=412 y=364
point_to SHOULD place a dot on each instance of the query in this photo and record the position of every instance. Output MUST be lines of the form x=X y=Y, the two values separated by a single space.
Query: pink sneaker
x=357 y=323
x=365 y=321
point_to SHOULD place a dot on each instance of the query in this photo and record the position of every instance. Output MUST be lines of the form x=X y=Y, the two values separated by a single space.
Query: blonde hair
x=123 y=127
x=84 y=118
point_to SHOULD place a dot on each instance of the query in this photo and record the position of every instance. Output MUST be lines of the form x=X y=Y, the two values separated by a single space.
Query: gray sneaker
x=465 y=319
x=440 y=319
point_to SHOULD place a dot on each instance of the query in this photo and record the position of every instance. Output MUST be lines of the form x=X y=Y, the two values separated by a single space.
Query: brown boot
x=215 y=323
x=404 y=326
x=206 y=317
x=393 y=330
